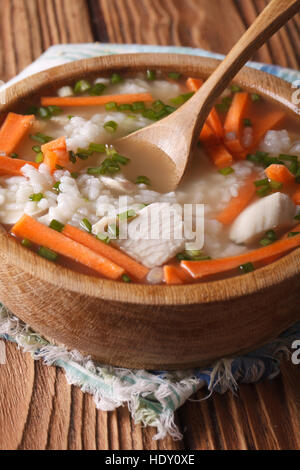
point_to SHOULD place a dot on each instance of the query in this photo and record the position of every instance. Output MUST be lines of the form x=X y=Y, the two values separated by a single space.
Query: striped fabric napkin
x=152 y=396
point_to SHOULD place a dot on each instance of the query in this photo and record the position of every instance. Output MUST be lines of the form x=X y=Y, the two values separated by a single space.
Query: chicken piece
x=276 y=211
x=118 y=184
x=156 y=235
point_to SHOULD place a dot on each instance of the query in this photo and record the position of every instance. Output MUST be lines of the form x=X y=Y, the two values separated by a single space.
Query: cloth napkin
x=151 y=396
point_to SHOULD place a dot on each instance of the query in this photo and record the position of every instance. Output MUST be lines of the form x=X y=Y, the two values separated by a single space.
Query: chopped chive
x=226 y=171
x=181 y=99
x=103 y=237
x=110 y=126
x=44 y=113
x=39 y=157
x=75 y=175
x=127 y=215
x=263 y=191
x=150 y=114
x=82 y=86
x=72 y=156
x=263 y=182
x=98 y=148
x=293 y=234
x=288 y=158
x=255 y=97
x=55 y=225
x=266 y=242
x=26 y=243
x=151 y=75
x=54 y=110
x=275 y=184
x=125 y=107
x=246 y=268
x=14 y=155
x=36 y=197
x=192 y=255
x=169 y=109
x=138 y=106
x=112 y=106
x=113 y=231
x=95 y=171
x=116 y=78
x=143 y=180
x=97 y=89
x=41 y=138
x=32 y=110
x=47 y=254
x=174 y=75
x=56 y=186
x=225 y=104
x=235 y=88
x=271 y=235
x=120 y=159
x=86 y=225
x=82 y=156
x=126 y=278
x=70 y=117
x=36 y=148
x=247 y=122
x=85 y=151
x=297 y=217
x=158 y=105
x=297 y=176
x=294 y=167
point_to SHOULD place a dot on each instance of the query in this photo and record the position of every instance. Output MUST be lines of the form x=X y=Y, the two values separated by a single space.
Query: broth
x=245 y=181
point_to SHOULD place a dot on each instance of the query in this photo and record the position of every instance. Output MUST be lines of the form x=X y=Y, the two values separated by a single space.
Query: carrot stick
x=201 y=269
x=171 y=276
x=237 y=112
x=214 y=148
x=296 y=197
x=213 y=119
x=95 y=100
x=13 y=131
x=238 y=203
x=174 y=274
x=194 y=84
x=37 y=233
x=132 y=267
x=56 y=155
x=263 y=124
x=12 y=166
x=280 y=173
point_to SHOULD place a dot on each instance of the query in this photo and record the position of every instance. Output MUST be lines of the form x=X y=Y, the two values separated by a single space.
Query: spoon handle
x=275 y=15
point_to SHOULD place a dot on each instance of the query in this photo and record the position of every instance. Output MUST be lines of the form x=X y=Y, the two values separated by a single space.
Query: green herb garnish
x=143 y=180
x=247 y=268
x=36 y=197
x=86 y=225
x=57 y=226
x=82 y=86
x=47 y=253
x=110 y=126
x=226 y=171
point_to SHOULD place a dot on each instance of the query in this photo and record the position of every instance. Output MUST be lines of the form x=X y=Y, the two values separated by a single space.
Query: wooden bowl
x=143 y=326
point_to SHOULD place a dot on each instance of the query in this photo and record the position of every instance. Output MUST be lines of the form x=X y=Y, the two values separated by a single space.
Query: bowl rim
x=271 y=87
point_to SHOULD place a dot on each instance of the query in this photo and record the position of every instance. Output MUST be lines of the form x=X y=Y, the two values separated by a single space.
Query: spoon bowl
x=166 y=147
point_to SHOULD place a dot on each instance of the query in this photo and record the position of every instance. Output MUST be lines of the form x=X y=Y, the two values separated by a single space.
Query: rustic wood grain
x=37 y=407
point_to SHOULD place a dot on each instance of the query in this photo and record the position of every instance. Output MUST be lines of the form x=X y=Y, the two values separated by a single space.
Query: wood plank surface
x=38 y=409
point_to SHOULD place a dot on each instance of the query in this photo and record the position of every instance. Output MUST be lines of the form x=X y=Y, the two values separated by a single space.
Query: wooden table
x=38 y=410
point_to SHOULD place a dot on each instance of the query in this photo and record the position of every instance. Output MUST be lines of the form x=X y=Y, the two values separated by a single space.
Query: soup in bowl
x=75 y=205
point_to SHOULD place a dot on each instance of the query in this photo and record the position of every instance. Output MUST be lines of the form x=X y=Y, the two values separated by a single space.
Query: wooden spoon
x=162 y=151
